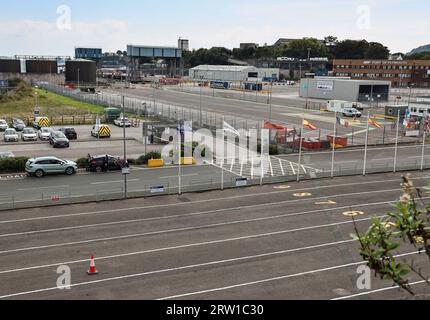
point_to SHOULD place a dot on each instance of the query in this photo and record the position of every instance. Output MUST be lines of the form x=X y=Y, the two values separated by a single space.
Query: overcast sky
x=42 y=26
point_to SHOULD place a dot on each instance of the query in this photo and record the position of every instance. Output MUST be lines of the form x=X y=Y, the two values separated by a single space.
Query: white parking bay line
x=110 y=182
x=50 y=187
x=183 y=175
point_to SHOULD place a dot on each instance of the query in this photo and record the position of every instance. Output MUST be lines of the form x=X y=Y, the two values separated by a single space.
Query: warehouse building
x=346 y=89
x=233 y=73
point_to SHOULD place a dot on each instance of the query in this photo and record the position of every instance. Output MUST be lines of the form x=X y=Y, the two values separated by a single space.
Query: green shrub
x=143 y=160
x=13 y=165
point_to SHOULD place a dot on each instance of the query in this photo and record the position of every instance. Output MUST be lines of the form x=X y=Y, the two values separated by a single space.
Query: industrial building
x=233 y=73
x=331 y=88
x=140 y=55
x=28 y=68
x=401 y=73
x=88 y=53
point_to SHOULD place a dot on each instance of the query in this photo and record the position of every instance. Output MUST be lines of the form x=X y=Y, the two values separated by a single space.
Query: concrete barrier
x=155 y=163
x=188 y=161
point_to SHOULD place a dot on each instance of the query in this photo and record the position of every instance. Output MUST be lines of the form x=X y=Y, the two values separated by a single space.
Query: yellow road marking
x=302 y=195
x=353 y=213
x=326 y=202
x=282 y=187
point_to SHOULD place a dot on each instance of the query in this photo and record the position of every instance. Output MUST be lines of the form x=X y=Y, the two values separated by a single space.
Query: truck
x=340 y=105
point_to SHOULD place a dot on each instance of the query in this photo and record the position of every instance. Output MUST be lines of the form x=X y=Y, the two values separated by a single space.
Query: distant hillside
x=425 y=48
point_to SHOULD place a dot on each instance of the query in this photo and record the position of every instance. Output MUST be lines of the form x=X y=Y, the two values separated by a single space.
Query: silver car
x=10 y=135
x=45 y=133
x=40 y=167
x=3 y=125
x=28 y=134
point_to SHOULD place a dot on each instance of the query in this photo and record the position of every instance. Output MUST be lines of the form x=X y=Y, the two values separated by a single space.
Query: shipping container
x=10 y=66
x=220 y=85
x=42 y=66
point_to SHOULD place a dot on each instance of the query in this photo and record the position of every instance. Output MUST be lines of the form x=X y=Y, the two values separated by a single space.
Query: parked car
x=70 y=133
x=351 y=112
x=40 y=167
x=3 y=125
x=45 y=133
x=97 y=163
x=58 y=140
x=6 y=155
x=121 y=122
x=18 y=124
x=28 y=134
x=10 y=135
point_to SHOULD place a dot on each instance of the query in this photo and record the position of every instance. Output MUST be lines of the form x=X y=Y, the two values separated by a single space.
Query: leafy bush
x=13 y=165
x=151 y=155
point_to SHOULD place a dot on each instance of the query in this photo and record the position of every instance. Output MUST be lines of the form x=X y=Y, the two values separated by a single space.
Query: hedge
x=13 y=165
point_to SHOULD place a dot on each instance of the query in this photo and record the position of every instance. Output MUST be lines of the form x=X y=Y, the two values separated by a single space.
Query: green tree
x=299 y=49
x=351 y=49
x=376 y=50
x=408 y=224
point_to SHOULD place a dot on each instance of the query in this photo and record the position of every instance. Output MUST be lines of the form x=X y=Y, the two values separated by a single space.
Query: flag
x=271 y=126
x=230 y=129
x=308 y=125
x=342 y=122
x=374 y=123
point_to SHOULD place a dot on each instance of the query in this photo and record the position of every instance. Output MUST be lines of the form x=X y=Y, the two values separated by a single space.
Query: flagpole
x=424 y=141
x=300 y=151
x=180 y=159
x=334 y=144
x=367 y=142
x=397 y=142
x=222 y=159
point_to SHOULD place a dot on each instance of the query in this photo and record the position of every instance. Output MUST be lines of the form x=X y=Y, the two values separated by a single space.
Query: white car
x=3 y=125
x=28 y=134
x=45 y=133
x=120 y=122
x=10 y=135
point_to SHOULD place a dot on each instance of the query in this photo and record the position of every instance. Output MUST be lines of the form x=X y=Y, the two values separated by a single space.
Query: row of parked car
x=43 y=166
x=57 y=138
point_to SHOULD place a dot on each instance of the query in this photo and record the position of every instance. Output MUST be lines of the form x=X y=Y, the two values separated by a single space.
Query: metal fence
x=65 y=195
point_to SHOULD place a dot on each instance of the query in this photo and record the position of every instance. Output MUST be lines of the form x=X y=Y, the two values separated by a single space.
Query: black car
x=58 y=140
x=98 y=163
x=70 y=133
x=18 y=124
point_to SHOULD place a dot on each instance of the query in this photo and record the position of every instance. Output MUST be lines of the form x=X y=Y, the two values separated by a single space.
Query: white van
x=340 y=105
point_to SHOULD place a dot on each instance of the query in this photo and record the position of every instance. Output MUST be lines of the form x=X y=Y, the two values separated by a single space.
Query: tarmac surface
x=288 y=241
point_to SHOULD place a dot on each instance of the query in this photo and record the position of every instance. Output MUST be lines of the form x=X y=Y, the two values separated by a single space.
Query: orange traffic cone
x=92 y=271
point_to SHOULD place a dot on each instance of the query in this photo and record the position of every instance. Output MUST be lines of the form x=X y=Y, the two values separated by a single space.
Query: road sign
x=55 y=198
x=241 y=182
x=157 y=189
x=36 y=111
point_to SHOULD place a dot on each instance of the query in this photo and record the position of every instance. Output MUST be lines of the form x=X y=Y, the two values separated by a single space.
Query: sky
x=50 y=27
